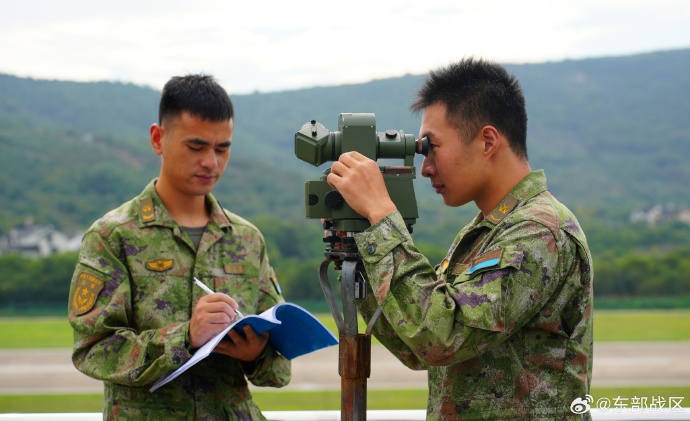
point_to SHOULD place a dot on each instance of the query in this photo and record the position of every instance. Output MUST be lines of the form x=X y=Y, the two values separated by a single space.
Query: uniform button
x=371 y=249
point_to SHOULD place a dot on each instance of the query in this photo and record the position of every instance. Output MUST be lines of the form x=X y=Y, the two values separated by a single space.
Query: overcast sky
x=272 y=45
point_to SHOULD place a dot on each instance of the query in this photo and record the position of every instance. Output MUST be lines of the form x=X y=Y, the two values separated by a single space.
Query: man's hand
x=246 y=348
x=213 y=313
x=360 y=181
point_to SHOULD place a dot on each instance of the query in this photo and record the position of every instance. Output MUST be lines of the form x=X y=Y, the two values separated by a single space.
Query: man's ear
x=156 y=137
x=491 y=139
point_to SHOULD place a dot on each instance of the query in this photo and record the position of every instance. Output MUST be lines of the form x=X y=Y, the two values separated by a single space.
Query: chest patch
x=235 y=268
x=489 y=259
x=160 y=265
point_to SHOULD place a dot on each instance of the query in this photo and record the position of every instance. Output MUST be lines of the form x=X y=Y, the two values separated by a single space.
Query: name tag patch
x=235 y=268
x=486 y=260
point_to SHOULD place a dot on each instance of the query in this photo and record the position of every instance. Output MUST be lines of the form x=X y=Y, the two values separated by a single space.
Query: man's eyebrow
x=201 y=142
x=198 y=141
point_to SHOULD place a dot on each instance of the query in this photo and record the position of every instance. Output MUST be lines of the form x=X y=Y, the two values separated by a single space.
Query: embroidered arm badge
x=86 y=292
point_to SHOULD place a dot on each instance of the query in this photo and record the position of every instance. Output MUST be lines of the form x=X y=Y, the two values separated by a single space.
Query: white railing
x=625 y=414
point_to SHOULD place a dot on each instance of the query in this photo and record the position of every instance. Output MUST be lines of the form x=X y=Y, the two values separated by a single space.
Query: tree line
x=651 y=262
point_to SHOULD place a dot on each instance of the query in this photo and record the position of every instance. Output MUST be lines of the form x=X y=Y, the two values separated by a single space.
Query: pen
x=210 y=291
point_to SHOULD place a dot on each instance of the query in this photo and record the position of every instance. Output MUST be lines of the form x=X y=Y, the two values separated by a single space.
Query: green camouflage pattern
x=137 y=329
x=504 y=324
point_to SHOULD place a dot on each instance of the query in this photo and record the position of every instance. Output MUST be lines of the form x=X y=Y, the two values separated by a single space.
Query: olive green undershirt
x=194 y=234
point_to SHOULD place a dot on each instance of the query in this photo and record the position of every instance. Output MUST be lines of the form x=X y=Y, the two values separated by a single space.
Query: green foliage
x=641 y=303
x=72 y=151
x=34 y=282
x=648 y=264
x=611 y=134
x=94 y=107
x=643 y=274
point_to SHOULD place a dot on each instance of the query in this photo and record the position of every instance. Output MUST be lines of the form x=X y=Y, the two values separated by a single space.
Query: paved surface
x=615 y=364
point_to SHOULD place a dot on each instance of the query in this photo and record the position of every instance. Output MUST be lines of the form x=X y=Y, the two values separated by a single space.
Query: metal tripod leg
x=355 y=353
x=354 y=363
x=328 y=293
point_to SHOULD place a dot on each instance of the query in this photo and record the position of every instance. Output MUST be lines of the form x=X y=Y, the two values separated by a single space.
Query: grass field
x=609 y=326
x=313 y=401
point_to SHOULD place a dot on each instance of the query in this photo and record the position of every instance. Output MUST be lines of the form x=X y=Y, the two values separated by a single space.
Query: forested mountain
x=610 y=132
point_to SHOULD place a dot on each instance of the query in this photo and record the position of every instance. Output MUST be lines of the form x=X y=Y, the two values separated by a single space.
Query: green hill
x=610 y=132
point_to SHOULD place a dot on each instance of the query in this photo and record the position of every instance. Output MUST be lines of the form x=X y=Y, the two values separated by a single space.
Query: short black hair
x=198 y=94
x=477 y=92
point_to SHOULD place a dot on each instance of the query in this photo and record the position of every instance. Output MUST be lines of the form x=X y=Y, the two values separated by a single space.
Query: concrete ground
x=49 y=371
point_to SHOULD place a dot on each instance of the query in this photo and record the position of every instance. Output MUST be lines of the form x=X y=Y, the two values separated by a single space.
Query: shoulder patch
x=146 y=208
x=160 y=265
x=86 y=292
x=489 y=259
x=507 y=204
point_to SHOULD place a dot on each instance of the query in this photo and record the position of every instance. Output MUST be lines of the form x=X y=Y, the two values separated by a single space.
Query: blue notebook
x=294 y=332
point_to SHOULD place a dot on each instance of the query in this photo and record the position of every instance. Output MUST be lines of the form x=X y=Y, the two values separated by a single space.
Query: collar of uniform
x=530 y=186
x=533 y=184
x=152 y=211
x=218 y=214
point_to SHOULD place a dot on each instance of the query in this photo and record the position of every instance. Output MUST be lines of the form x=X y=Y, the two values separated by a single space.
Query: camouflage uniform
x=504 y=324
x=131 y=301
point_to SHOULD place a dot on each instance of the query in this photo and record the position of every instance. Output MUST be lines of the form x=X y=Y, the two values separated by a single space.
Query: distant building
x=32 y=240
x=657 y=213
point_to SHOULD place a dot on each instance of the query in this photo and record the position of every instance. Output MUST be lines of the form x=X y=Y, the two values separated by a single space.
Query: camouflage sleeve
x=271 y=368
x=106 y=345
x=384 y=332
x=445 y=321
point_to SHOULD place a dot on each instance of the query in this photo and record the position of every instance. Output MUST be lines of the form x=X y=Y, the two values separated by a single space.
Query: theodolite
x=316 y=145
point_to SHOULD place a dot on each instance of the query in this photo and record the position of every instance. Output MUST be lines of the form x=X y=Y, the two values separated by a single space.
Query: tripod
x=354 y=363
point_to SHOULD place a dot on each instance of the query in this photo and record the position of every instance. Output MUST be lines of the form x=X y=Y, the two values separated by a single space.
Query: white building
x=33 y=240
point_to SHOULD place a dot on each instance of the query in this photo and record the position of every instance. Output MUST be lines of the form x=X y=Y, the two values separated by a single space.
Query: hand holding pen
x=210 y=291
x=212 y=313
x=245 y=347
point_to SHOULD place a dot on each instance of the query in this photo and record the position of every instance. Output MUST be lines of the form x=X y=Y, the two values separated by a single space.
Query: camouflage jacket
x=504 y=324
x=131 y=299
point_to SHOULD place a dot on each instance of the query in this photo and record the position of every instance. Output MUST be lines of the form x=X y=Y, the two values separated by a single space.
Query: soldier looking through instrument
x=504 y=323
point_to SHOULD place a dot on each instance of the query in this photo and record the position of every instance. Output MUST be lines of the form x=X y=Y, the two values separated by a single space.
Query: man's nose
x=210 y=160
x=428 y=168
